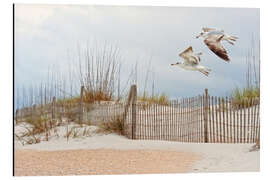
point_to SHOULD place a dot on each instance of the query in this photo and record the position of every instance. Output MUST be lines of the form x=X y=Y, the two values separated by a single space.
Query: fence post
x=133 y=106
x=16 y=116
x=128 y=102
x=81 y=106
x=53 y=111
x=53 y=107
x=258 y=140
x=206 y=116
x=258 y=122
x=31 y=111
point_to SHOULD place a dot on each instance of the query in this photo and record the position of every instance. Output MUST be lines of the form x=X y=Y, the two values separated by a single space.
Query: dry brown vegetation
x=114 y=125
x=98 y=70
x=162 y=99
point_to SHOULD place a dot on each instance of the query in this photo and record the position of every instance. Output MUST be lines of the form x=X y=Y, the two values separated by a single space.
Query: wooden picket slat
x=186 y=119
x=227 y=120
x=194 y=120
x=181 y=120
x=231 y=124
x=215 y=120
x=258 y=123
x=198 y=118
x=253 y=120
x=220 y=121
x=248 y=122
x=174 y=121
x=211 y=119
x=201 y=120
x=167 y=125
x=189 y=119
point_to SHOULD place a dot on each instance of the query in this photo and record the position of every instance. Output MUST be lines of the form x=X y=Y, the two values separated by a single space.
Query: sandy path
x=101 y=161
x=214 y=157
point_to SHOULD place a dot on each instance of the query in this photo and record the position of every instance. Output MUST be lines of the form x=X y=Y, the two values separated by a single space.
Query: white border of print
x=6 y=83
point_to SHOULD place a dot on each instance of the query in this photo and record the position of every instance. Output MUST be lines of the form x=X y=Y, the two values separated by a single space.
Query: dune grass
x=38 y=125
x=114 y=125
x=71 y=100
x=92 y=96
x=245 y=97
x=250 y=94
x=161 y=99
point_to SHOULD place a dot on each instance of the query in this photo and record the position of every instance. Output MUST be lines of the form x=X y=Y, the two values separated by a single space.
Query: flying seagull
x=228 y=38
x=213 y=37
x=191 y=61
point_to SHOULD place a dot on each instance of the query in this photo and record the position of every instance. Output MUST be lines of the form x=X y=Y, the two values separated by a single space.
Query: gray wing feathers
x=188 y=56
x=205 y=29
x=213 y=43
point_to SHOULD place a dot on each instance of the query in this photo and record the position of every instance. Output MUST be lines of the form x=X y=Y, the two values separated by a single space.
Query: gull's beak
x=172 y=64
x=198 y=36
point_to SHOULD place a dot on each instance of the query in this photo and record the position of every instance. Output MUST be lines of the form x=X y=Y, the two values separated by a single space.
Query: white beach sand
x=215 y=157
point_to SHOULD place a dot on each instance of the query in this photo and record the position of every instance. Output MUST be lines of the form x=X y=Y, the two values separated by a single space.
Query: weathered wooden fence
x=178 y=121
x=201 y=119
x=186 y=121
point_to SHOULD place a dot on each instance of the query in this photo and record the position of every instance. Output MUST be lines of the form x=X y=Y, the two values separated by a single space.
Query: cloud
x=45 y=34
x=28 y=18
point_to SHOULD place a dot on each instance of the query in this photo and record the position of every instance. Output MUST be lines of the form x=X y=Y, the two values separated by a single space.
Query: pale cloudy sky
x=45 y=34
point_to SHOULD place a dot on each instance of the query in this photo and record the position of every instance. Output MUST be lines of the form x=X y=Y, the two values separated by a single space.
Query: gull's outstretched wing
x=188 y=56
x=206 y=29
x=213 y=43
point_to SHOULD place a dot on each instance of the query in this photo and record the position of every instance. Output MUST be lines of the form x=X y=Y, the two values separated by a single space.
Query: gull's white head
x=202 y=34
x=177 y=64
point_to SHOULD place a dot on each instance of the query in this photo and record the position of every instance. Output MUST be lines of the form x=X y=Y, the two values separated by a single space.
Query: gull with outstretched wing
x=213 y=37
x=214 y=44
x=189 y=56
x=191 y=62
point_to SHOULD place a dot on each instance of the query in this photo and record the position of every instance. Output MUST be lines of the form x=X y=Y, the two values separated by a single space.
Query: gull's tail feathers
x=206 y=73
x=232 y=38
x=232 y=43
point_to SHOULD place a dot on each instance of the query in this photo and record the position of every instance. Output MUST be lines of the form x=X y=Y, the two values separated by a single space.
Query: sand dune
x=213 y=157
